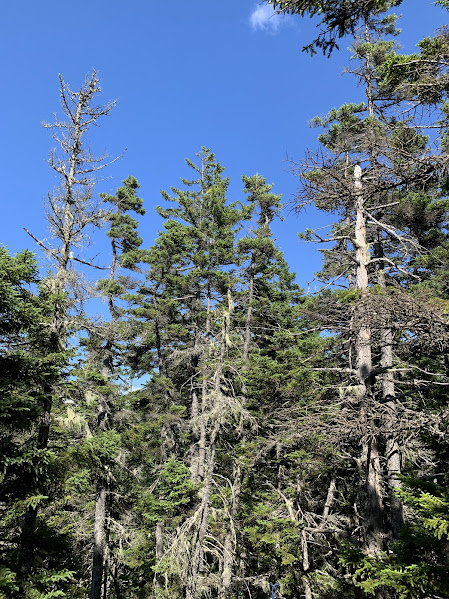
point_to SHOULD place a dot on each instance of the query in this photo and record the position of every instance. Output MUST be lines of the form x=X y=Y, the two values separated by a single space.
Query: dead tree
x=71 y=213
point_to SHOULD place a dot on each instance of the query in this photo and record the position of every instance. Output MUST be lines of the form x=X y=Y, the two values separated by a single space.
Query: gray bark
x=393 y=451
x=305 y=565
x=99 y=540
x=198 y=551
x=229 y=543
x=159 y=541
x=370 y=451
x=392 y=448
x=228 y=554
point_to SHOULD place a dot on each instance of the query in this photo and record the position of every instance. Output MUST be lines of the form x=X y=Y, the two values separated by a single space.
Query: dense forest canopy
x=211 y=430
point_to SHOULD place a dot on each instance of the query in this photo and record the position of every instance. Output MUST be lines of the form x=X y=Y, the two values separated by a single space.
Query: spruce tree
x=184 y=307
x=34 y=555
x=106 y=355
x=377 y=166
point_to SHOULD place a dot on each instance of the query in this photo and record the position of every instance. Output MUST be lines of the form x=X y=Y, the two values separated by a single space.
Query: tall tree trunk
x=197 y=443
x=392 y=450
x=195 y=438
x=228 y=554
x=249 y=312
x=100 y=554
x=374 y=501
x=370 y=451
x=202 y=416
x=229 y=544
x=99 y=539
x=198 y=551
x=159 y=541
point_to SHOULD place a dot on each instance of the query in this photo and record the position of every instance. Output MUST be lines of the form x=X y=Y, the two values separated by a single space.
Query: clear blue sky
x=186 y=74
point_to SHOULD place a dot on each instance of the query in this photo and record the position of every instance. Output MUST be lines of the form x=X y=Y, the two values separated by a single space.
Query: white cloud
x=265 y=18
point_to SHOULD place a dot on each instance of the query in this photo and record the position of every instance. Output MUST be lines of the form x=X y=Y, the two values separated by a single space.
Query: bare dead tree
x=71 y=212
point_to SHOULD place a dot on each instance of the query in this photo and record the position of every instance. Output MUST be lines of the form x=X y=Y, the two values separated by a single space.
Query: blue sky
x=223 y=74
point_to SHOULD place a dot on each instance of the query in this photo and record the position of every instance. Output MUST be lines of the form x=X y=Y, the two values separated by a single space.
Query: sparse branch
x=394 y=265
x=40 y=243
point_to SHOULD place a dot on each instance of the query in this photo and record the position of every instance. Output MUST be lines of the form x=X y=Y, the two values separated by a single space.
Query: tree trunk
x=228 y=557
x=329 y=500
x=392 y=449
x=229 y=544
x=373 y=485
x=305 y=565
x=198 y=552
x=159 y=539
x=199 y=433
x=393 y=452
x=249 y=312
x=99 y=539
x=203 y=432
x=195 y=439
x=374 y=500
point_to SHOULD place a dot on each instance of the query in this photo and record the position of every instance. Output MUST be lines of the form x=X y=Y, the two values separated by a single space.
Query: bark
x=159 y=541
x=117 y=589
x=249 y=312
x=364 y=363
x=27 y=541
x=194 y=415
x=329 y=500
x=198 y=552
x=305 y=565
x=106 y=565
x=203 y=431
x=99 y=539
x=370 y=451
x=375 y=529
x=228 y=557
x=195 y=405
x=369 y=74
x=198 y=443
x=229 y=542
x=393 y=451
x=101 y=556
x=392 y=448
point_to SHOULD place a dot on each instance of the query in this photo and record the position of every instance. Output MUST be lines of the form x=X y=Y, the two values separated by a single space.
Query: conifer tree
x=71 y=214
x=106 y=356
x=338 y=18
x=416 y=84
x=185 y=306
x=27 y=368
x=377 y=164
x=259 y=250
x=271 y=365
x=272 y=437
